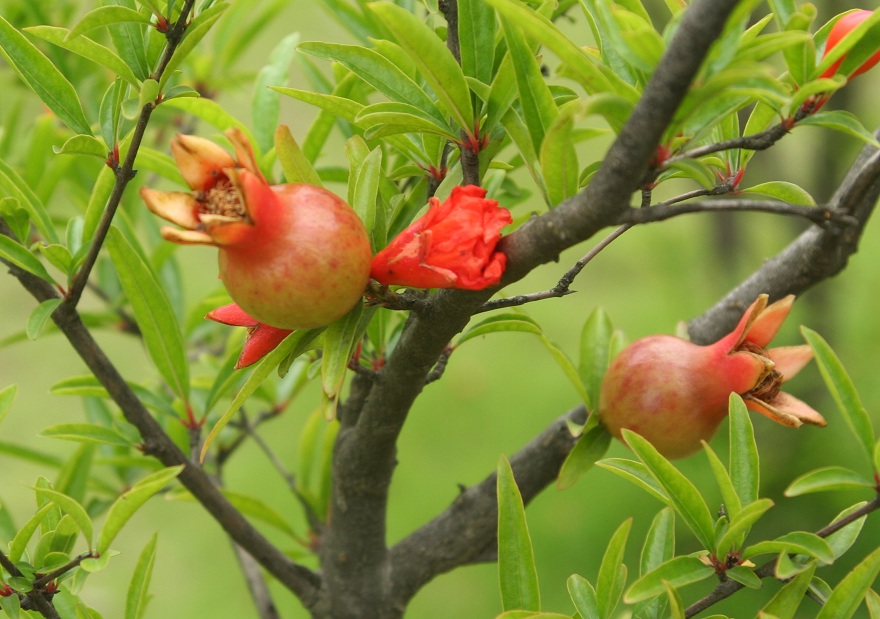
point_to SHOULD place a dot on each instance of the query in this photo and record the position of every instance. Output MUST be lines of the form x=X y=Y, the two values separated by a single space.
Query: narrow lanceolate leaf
x=743 y=463
x=683 y=495
x=782 y=190
x=591 y=446
x=340 y=340
x=87 y=48
x=15 y=187
x=476 y=36
x=106 y=15
x=128 y=503
x=266 y=107
x=797 y=542
x=138 y=589
x=516 y=560
x=637 y=473
x=842 y=121
x=848 y=594
x=434 y=60
x=72 y=508
x=729 y=496
x=86 y=433
x=297 y=169
x=20 y=256
x=827 y=479
x=195 y=31
x=677 y=572
x=40 y=316
x=559 y=161
x=297 y=341
x=595 y=353
x=842 y=390
x=583 y=596
x=43 y=78
x=740 y=525
x=612 y=571
x=785 y=603
x=7 y=395
x=841 y=540
x=83 y=145
x=153 y=312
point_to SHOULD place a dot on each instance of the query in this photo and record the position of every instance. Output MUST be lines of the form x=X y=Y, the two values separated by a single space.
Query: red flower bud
x=294 y=256
x=840 y=29
x=261 y=338
x=675 y=393
x=451 y=246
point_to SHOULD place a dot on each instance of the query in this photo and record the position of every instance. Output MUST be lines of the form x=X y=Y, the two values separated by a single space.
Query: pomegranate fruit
x=675 y=393
x=293 y=256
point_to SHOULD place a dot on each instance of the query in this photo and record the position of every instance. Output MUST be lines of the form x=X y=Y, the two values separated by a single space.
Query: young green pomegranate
x=675 y=393
x=293 y=256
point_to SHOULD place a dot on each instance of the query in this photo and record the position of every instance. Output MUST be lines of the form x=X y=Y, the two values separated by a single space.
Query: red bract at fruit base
x=293 y=256
x=675 y=393
x=261 y=338
x=451 y=246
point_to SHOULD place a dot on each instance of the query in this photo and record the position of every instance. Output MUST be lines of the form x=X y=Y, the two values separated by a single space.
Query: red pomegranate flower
x=294 y=256
x=261 y=338
x=451 y=246
x=675 y=393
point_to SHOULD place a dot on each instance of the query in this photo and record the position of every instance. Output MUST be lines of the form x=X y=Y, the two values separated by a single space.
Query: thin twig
x=661 y=212
x=126 y=171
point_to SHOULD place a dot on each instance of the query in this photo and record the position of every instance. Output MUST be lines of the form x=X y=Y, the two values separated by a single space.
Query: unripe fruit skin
x=663 y=388
x=309 y=266
x=841 y=28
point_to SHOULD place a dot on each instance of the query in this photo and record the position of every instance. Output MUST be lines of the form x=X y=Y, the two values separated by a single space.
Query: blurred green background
x=498 y=391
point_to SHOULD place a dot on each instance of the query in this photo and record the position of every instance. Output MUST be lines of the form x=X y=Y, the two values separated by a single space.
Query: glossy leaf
x=195 y=32
x=842 y=390
x=364 y=189
x=583 y=596
x=590 y=446
x=841 y=540
x=340 y=341
x=21 y=257
x=72 y=508
x=595 y=353
x=744 y=576
x=516 y=560
x=86 y=432
x=729 y=497
x=678 y=572
x=129 y=502
x=297 y=169
x=797 y=542
x=19 y=543
x=743 y=460
x=659 y=544
x=782 y=190
x=153 y=312
x=83 y=145
x=828 y=479
x=507 y=321
x=43 y=78
x=612 y=571
x=849 y=592
x=637 y=473
x=38 y=318
x=842 y=121
x=785 y=603
x=683 y=495
x=87 y=48
x=476 y=36
x=433 y=59
x=138 y=588
x=740 y=524
x=104 y=16
x=559 y=161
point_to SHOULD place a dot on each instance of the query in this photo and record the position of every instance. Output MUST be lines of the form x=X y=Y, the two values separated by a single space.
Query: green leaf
x=433 y=59
x=340 y=340
x=83 y=145
x=125 y=506
x=377 y=71
x=389 y=118
x=849 y=592
x=637 y=473
x=683 y=495
x=297 y=169
x=782 y=190
x=365 y=193
x=678 y=572
x=841 y=540
x=785 y=603
x=595 y=354
x=265 y=106
x=568 y=368
x=842 y=390
x=153 y=312
x=590 y=446
x=537 y=107
x=86 y=432
x=872 y=601
x=739 y=526
x=732 y=504
x=505 y=321
x=516 y=560
x=744 y=465
x=797 y=542
x=195 y=31
x=7 y=395
x=43 y=78
x=659 y=546
x=211 y=112
x=296 y=341
x=138 y=589
x=827 y=479
x=842 y=121
x=17 y=188
x=19 y=543
x=744 y=576
x=37 y=319
x=106 y=15
x=58 y=255
x=612 y=571
x=476 y=38
x=559 y=161
x=583 y=596
x=72 y=508
x=87 y=48
x=20 y=256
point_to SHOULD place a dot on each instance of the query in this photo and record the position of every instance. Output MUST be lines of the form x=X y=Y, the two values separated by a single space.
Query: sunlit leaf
x=797 y=542
x=677 y=572
x=583 y=596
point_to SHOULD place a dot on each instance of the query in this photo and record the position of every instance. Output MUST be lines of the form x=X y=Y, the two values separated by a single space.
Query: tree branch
x=662 y=212
x=301 y=581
